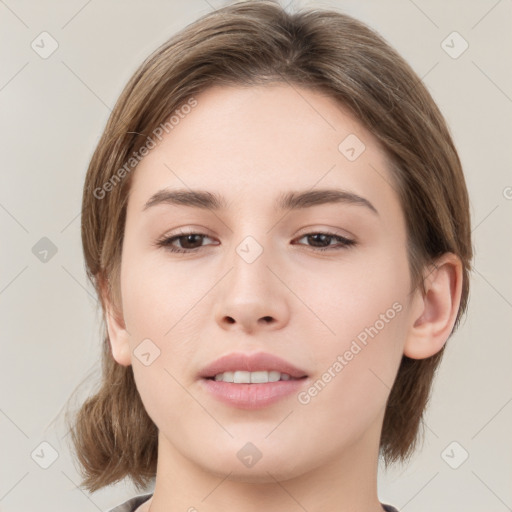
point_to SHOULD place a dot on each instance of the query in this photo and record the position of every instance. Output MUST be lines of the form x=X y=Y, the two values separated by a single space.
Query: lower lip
x=252 y=396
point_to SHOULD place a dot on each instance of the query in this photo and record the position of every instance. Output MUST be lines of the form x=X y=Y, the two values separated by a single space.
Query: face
x=323 y=285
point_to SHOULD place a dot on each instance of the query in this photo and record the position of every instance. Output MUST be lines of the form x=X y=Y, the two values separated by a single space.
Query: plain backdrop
x=53 y=110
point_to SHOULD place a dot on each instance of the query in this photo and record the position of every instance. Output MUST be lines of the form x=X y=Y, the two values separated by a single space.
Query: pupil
x=319 y=236
x=189 y=239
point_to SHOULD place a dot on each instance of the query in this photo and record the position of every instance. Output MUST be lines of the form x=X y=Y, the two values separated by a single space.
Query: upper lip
x=251 y=363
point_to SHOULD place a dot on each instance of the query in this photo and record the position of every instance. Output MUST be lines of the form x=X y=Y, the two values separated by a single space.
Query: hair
x=250 y=44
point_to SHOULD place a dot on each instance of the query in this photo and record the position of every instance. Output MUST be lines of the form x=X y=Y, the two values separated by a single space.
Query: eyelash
x=167 y=241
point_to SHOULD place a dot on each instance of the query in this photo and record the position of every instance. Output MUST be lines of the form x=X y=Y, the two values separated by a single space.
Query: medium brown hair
x=256 y=43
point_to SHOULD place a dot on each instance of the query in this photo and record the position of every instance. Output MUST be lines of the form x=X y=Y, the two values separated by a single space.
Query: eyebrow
x=293 y=200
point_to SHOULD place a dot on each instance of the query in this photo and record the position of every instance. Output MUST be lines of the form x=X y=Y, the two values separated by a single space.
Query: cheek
x=361 y=313
x=343 y=299
x=160 y=305
x=355 y=372
x=157 y=297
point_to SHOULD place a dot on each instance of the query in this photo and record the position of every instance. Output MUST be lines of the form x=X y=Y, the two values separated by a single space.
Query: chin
x=266 y=470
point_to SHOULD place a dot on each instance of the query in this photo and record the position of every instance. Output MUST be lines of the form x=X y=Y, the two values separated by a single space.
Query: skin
x=250 y=145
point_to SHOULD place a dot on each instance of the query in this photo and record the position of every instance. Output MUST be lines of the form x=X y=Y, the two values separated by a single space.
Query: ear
x=117 y=332
x=435 y=312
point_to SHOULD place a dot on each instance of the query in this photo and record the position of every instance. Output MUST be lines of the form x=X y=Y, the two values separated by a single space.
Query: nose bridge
x=251 y=296
x=250 y=274
x=252 y=251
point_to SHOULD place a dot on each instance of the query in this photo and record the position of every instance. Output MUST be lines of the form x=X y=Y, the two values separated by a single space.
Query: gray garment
x=132 y=504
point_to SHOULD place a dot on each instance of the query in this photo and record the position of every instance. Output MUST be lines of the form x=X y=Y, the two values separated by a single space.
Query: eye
x=322 y=241
x=189 y=242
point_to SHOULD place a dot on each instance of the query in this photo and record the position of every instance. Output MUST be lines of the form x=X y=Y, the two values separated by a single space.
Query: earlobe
x=117 y=333
x=435 y=311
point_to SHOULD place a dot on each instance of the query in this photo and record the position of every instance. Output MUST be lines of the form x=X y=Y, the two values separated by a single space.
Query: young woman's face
x=257 y=281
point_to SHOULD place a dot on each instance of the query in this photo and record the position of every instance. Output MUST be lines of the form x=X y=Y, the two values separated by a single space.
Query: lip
x=252 y=396
x=254 y=362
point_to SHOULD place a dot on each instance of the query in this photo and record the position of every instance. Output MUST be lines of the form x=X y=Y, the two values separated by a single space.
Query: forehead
x=255 y=142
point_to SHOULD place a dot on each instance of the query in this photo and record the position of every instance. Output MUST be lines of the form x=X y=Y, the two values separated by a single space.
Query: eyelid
x=190 y=230
x=182 y=232
x=326 y=230
x=345 y=241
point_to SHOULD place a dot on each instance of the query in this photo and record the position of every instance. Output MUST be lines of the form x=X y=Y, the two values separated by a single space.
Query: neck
x=341 y=481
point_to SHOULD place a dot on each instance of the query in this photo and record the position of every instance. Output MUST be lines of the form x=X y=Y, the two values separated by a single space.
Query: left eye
x=325 y=239
x=190 y=242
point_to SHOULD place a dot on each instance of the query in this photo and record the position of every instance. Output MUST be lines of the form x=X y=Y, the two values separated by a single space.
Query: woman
x=277 y=225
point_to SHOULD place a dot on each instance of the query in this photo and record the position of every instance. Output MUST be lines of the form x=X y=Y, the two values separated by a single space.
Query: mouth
x=251 y=368
x=252 y=380
x=257 y=377
x=252 y=395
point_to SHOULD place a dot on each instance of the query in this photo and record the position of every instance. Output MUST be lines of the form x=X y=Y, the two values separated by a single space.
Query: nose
x=252 y=297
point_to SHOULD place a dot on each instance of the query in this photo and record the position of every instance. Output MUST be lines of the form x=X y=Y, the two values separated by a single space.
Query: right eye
x=189 y=242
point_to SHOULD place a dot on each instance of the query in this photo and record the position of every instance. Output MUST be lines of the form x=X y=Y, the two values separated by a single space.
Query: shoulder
x=389 y=508
x=132 y=504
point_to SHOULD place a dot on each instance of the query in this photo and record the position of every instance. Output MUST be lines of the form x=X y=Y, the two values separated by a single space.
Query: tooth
x=273 y=376
x=241 y=377
x=259 y=377
x=226 y=376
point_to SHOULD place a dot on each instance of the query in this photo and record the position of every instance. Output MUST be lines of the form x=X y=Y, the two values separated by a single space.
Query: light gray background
x=52 y=113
